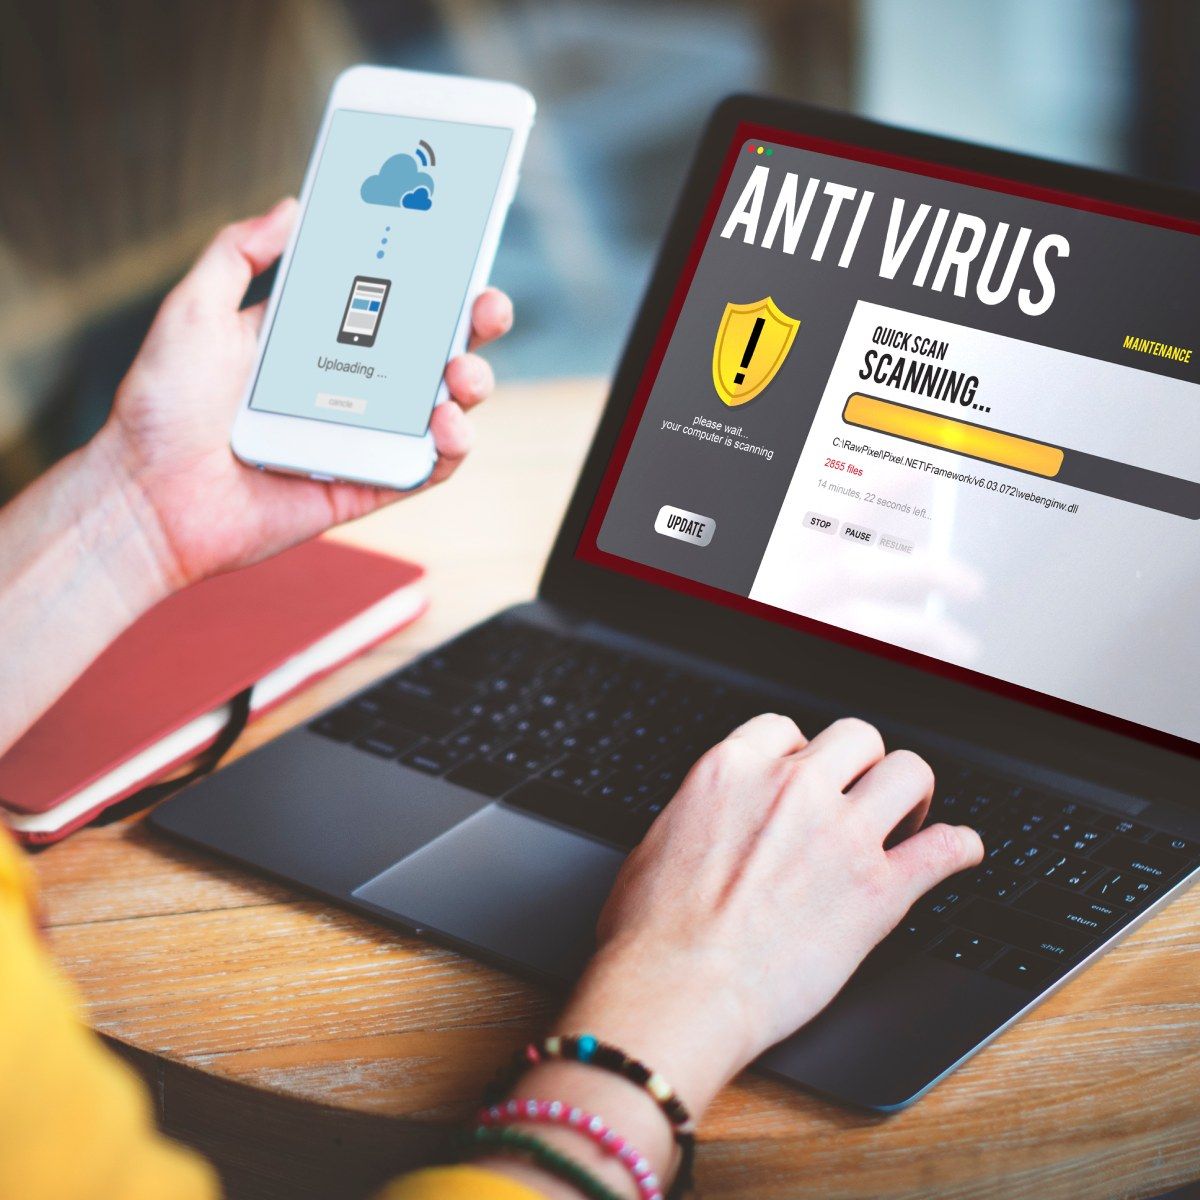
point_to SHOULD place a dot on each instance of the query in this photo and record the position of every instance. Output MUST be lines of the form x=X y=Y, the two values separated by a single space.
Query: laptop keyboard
x=599 y=740
x=1058 y=877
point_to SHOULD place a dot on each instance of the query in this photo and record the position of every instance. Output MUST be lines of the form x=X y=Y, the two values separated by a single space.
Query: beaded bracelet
x=546 y=1157
x=586 y=1049
x=555 y=1112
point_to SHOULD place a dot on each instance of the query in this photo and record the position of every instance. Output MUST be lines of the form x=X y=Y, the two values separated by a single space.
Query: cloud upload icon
x=418 y=198
x=399 y=183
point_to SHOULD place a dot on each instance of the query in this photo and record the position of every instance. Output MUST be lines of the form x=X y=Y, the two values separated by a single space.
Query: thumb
x=240 y=251
x=927 y=858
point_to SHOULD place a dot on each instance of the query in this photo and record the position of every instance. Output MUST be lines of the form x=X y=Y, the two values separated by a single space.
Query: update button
x=684 y=526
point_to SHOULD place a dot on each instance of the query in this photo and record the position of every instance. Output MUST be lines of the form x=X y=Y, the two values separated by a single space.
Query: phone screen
x=379 y=276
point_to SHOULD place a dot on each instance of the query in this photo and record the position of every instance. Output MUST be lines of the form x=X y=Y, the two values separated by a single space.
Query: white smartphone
x=400 y=216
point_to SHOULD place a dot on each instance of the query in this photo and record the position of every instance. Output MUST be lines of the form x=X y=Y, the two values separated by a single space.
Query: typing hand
x=168 y=436
x=757 y=893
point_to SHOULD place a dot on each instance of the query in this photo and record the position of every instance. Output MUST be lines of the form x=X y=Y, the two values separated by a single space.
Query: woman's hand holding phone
x=204 y=511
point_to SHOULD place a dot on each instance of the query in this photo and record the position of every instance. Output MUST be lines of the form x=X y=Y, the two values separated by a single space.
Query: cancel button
x=685 y=526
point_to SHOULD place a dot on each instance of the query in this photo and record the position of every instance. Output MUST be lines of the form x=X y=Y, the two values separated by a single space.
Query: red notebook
x=161 y=692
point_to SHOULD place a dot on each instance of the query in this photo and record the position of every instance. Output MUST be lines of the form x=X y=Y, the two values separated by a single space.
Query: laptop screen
x=943 y=416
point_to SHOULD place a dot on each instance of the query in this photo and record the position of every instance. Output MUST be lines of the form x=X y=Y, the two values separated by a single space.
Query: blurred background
x=130 y=129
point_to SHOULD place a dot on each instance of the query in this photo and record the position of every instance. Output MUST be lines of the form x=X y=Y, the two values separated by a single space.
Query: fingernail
x=265 y=220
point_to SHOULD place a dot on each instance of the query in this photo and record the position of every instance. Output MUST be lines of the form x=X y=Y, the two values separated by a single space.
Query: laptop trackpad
x=508 y=884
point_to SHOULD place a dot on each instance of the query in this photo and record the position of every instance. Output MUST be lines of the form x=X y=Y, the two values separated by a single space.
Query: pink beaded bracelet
x=555 y=1112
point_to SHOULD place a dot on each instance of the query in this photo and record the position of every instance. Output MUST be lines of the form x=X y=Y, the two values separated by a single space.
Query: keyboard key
x=439 y=689
x=1022 y=930
x=995 y=845
x=1009 y=816
x=367 y=705
x=979 y=810
x=1082 y=912
x=573 y=809
x=949 y=808
x=966 y=949
x=1024 y=821
x=388 y=741
x=478 y=738
x=1024 y=970
x=1068 y=871
x=938 y=903
x=1179 y=845
x=1121 y=825
x=577 y=773
x=912 y=935
x=916 y=932
x=1081 y=845
x=1023 y=856
x=1117 y=887
x=485 y=777
x=994 y=884
x=431 y=759
x=669 y=777
x=1065 y=833
x=424 y=718
x=620 y=794
x=528 y=755
x=650 y=789
x=1149 y=862
x=344 y=725
x=615 y=759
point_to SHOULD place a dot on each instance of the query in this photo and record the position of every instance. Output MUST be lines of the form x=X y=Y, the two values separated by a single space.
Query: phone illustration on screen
x=364 y=310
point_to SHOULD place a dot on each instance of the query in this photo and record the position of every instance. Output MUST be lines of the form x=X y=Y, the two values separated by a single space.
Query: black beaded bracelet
x=586 y=1049
x=513 y=1141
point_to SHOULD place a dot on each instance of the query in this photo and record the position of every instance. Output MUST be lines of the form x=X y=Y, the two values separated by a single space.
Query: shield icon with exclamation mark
x=752 y=342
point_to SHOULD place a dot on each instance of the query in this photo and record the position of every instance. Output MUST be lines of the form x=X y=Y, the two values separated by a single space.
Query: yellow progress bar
x=946 y=433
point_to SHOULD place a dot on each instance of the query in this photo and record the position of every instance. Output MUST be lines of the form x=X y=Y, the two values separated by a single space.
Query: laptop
x=906 y=428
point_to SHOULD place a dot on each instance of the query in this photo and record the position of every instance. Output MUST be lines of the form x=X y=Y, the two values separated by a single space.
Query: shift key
x=1022 y=930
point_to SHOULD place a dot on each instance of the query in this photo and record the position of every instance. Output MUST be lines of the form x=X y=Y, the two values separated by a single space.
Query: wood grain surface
x=312 y=1052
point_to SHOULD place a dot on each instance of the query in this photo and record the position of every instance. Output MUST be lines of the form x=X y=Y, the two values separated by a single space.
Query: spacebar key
x=566 y=807
x=1022 y=930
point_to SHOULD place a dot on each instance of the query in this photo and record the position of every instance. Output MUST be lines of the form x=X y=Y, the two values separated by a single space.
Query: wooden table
x=311 y=1052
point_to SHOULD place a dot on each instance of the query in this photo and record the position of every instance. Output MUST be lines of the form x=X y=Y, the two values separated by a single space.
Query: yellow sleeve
x=74 y=1120
x=457 y=1183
